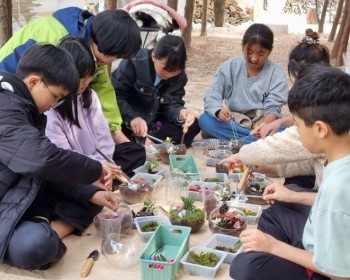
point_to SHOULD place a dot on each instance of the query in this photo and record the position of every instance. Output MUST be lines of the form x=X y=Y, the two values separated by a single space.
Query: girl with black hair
x=150 y=88
x=79 y=124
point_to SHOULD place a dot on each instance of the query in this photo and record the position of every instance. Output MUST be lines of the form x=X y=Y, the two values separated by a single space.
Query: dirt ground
x=207 y=53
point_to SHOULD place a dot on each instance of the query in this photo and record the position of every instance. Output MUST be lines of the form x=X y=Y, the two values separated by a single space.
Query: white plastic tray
x=200 y=270
x=218 y=239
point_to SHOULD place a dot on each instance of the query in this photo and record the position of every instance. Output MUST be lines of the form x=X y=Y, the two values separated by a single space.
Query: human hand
x=187 y=115
x=105 y=198
x=105 y=180
x=256 y=240
x=224 y=114
x=115 y=169
x=277 y=192
x=233 y=158
x=119 y=137
x=139 y=127
x=270 y=128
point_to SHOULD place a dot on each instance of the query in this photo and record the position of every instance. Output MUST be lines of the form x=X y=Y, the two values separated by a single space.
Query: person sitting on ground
x=150 y=89
x=38 y=180
x=283 y=154
x=246 y=90
x=111 y=34
x=308 y=51
x=287 y=245
x=79 y=124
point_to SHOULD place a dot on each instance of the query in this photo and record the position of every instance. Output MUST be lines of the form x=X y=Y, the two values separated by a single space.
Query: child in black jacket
x=37 y=179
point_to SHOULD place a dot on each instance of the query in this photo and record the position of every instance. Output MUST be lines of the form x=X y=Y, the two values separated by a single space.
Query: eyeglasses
x=58 y=100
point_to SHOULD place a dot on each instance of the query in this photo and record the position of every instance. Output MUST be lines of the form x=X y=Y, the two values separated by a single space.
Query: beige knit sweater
x=286 y=151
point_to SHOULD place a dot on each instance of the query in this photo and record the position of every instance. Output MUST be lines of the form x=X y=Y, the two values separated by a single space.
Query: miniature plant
x=151 y=165
x=227 y=218
x=248 y=211
x=169 y=145
x=149 y=205
x=187 y=211
x=204 y=258
x=223 y=194
x=148 y=209
x=214 y=180
x=236 y=145
x=151 y=226
x=232 y=249
x=257 y=184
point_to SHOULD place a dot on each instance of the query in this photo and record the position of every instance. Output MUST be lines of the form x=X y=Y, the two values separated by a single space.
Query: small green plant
x=169 y=145
x=151 y=226
x=187 y=212
x=148 y=209
x=204 y=258
x=257 y=184
x=149 y=204
x=151 y=165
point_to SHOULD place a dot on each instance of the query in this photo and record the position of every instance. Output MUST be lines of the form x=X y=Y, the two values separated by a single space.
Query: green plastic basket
x=172 y=242
x=186 y=164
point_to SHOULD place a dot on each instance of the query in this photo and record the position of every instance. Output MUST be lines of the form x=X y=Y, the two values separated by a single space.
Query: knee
x=204 y=121
x=240 y=270
x=34 y=245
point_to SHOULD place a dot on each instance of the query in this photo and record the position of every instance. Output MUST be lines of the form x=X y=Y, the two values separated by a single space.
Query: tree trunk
x=172 y=4
x=186 y=33
x=344 y=40
x=323 y=16
x=317 y=7
x=5 y=21
x=110 y=4
x=336 y=21
x=311 y=16
x=335 y=49
x=204 y=18
x=219 y=13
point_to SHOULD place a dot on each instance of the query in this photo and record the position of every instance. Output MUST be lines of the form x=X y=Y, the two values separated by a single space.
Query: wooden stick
x=243 y=179
x=257 y=128
x=186 y=124
x=119 y=177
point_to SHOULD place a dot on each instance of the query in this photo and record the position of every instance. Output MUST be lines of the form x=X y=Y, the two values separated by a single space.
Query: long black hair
x=86 y=67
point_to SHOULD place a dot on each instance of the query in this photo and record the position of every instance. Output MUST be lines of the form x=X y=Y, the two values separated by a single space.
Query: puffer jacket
x=137 y=96
x=28 y=159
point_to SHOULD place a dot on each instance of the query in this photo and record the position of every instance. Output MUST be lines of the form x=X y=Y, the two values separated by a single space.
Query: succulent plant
x=150 y=165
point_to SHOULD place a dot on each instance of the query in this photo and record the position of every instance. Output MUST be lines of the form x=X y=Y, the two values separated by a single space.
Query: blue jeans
x=34 y=245
x=215 y=128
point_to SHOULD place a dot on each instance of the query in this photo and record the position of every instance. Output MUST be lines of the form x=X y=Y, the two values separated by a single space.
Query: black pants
x=306 y=182
x=129 y=156
x=167 y=129
x=286 y=225
x=54 y=201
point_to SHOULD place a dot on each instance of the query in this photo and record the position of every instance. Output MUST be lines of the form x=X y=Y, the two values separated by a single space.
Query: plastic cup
x=210 y=199
x=223 y=147
x=109 y=223
x=200 y=150
x=177 y=187
x=222 y=154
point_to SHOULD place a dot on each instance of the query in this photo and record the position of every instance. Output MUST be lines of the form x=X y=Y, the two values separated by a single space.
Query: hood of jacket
x=15 y=85
x=76 y=21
